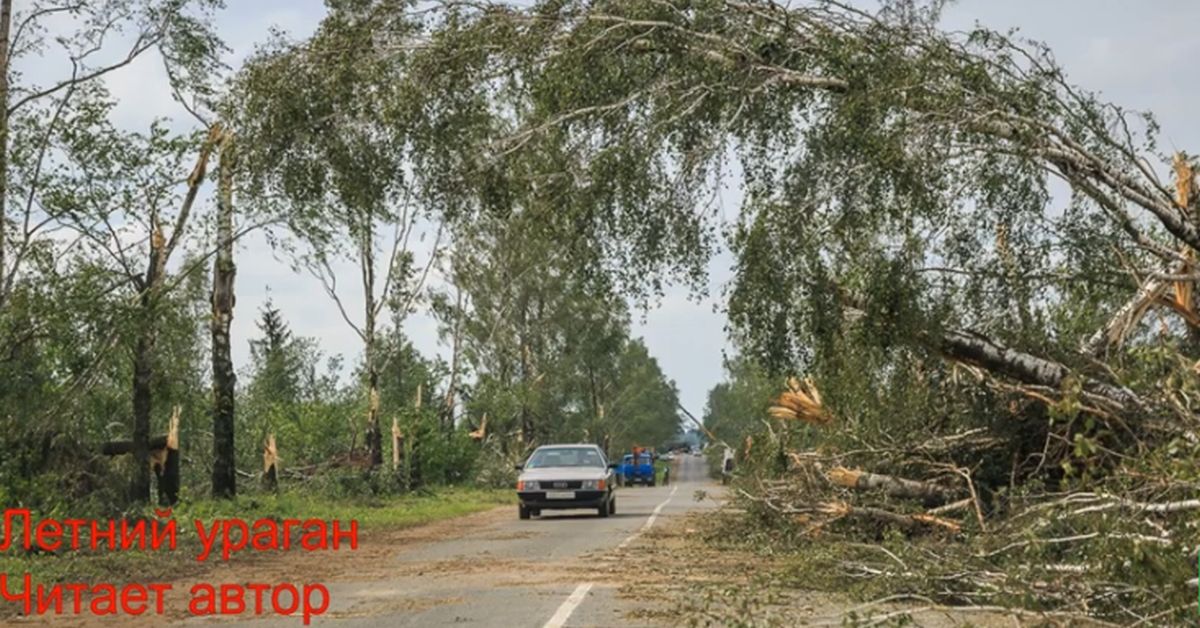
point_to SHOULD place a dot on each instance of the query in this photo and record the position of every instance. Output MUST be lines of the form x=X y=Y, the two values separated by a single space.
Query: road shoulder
x=697 y=571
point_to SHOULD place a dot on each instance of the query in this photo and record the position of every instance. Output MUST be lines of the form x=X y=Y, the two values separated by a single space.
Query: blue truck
x=637 y=468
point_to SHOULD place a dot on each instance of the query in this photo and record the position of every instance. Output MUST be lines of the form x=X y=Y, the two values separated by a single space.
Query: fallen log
x=905 y=522
x=1025 y=367
x=952 y=506
x=927 y=492
x=122 y=447
x=1118 y=503
x=978 y=350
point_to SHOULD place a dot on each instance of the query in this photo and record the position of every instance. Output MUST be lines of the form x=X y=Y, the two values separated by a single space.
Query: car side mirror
x=613 y=465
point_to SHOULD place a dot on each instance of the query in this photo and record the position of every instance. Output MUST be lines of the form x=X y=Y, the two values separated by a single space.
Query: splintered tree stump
x=270 y=464
x=480 y=433
x=397 y=444
x=167 y=473
x=164 y=459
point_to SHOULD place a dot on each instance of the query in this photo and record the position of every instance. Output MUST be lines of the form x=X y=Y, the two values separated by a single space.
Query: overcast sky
x=1137 y=54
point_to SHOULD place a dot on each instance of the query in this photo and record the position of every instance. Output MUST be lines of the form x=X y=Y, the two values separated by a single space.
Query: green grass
x=371 y=512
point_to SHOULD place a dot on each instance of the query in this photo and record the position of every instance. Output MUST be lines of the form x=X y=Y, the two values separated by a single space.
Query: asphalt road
x=560 y=569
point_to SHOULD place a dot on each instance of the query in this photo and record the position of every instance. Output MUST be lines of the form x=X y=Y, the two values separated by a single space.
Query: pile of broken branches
x=912 y=518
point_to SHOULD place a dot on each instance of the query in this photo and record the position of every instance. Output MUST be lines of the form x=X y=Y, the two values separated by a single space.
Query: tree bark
x=167 y=471
x=1025 y=367
x=374 y=435
x=122 y=447
x=224 y=471
x=452 y=389
x=143 y=370
x=1125 y=318
x=150 y=286
x=415 y=475
x=270 y=464
x=928 y=492
x=143 y=399
x=397 y=444
x=5 y=30
x=978 y=350
x=906 y=522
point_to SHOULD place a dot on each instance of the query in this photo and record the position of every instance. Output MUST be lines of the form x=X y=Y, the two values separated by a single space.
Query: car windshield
x=565 y=457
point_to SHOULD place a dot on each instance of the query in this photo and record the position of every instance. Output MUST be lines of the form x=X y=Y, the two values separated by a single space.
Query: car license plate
x=560 y=494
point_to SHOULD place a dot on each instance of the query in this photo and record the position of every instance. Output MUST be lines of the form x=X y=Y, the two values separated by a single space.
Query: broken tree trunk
x=908 y=523
x=270 y=464
x=1154 y=291
x=414 y=454
x=928 y=492
x=224 y=473
x=143 y=394
x=1026 y=367
x=150 y=287
x=397 y=444
x=122 y=447
x=374 y=436
x=978 y=350
x=481 y=432
x=1127 y=316
x=162 y=457
x=167 y=472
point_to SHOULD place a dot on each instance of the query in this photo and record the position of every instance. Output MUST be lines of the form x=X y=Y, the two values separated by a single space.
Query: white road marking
x=564 y=612
x=650 y=521
x=576 y=598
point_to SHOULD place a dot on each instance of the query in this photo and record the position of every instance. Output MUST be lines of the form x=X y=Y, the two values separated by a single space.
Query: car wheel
x=602 y=509
x=536 y=512
x=522 y=512
x=612 y=506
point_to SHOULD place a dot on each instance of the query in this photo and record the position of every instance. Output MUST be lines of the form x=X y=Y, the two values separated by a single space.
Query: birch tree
x=336 y=128
x=890 y=173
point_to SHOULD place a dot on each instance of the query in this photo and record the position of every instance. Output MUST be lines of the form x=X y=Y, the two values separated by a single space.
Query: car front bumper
x=582 y=499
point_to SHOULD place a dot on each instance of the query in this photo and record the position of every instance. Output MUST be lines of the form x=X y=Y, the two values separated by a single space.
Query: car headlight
x=594 y=485
x=527 y=485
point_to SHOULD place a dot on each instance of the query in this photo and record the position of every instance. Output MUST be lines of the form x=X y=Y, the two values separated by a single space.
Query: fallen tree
x=922 y=172
x=930 y=493
x=164 y=459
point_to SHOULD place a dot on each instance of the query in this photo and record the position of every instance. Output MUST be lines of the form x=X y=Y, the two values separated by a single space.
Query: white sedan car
x=558 y=477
